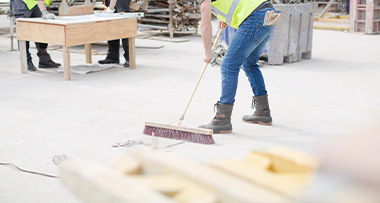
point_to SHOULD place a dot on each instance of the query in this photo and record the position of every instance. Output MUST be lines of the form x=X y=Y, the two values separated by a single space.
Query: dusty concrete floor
x=41 y=115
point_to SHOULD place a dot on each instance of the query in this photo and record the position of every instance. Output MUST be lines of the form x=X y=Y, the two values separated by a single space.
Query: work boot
x=126 y=52
x=45 y=60
x=112 y=53
x=221 y=123
x=262 y=113
x=126 y=64
x=30 y=64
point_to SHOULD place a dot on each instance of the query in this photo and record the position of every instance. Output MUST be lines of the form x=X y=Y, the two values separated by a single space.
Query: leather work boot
x=30 y=65
x=262 y=113
x=126 y=64
x=45 y=60
x=221 y=123
x=112 y=53
x=125 y=44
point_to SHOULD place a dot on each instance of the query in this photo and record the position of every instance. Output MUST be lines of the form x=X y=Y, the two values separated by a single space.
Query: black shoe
x=108 y=61
x=31 y=66
x=126 y=64
x=49 y=64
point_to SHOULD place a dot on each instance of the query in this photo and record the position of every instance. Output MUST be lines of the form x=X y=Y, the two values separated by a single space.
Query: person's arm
x=111 y=7
x=41 y=5
x=45 y=13
x=206 y=29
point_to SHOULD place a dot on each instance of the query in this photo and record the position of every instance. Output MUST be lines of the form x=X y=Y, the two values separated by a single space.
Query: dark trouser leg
x=113 y=52
x=125 y=43
x=30 y=64
x=44 y=56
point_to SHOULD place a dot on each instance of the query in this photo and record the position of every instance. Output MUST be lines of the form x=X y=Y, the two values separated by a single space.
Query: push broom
x=178 y=132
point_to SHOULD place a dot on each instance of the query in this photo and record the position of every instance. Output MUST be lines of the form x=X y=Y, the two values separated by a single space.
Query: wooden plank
x=132 y=52
x=285 y=160
x=23 y=56
x=126 y=164
x=369 y=17
x=178 y=127
x=66 y=62
x=170 y=185
x=179 y=188
x=76 y=10
x=96 y=183
x=227 y=187
x=257 y=160
x=325 y=9
x=77 y=34
x=39 y=32
x=87 y=48
x=261 y=178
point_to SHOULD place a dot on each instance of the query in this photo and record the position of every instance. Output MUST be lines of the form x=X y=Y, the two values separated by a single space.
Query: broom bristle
x=179 y=135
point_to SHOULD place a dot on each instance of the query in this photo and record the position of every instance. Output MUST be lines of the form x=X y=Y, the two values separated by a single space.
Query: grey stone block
x=291 y=39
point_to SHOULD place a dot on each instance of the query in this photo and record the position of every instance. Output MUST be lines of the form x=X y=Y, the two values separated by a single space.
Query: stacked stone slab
x=291 y=39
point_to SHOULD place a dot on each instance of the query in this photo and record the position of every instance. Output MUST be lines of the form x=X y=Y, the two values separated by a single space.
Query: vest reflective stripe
x=32 y=3
x=234 y=12
x=230 y=13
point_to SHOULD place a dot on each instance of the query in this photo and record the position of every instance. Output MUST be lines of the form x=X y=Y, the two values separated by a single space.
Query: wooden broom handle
x=199 y=79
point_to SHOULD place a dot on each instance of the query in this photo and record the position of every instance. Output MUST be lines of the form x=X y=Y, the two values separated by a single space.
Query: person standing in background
x=113 y=54
x=35 y=9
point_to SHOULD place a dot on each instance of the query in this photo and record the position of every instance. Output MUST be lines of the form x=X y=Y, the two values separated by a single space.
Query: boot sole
x=223 y=132
x=43 y=66
x=260 y=123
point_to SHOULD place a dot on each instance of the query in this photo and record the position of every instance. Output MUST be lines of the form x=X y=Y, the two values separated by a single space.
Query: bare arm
x=206 y=29
x=41 y=5
x=112 y=4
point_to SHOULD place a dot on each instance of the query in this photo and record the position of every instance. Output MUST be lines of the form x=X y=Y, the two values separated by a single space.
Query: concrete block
x=291 y=39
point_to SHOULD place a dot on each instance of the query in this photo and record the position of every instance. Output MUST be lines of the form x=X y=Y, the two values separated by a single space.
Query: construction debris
x=58 y=159
x=180 y=15
x=130 y=143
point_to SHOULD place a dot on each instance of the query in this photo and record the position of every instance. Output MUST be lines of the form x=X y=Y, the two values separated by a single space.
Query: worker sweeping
x=254 y=20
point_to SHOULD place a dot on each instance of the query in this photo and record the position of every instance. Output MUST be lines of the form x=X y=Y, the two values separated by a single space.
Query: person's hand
x=208 y=57
x=48 y=16
x=109 y=10
x=222 y=24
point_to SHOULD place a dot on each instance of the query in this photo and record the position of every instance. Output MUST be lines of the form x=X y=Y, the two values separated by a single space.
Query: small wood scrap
x=94 y=4
x=276 y=175
x=66 y=10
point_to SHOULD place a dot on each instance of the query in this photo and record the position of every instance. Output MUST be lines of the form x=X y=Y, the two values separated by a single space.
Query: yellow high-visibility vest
x=234 y=12
x=32 y=3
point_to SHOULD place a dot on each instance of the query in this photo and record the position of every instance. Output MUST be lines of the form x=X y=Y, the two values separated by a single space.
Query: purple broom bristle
x=179 y=135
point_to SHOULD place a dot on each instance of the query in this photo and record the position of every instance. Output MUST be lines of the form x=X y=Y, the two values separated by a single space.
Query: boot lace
x=253 y=105
x=216 y=108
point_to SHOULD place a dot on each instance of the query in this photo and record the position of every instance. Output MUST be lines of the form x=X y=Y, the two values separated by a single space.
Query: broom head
x=197 y=135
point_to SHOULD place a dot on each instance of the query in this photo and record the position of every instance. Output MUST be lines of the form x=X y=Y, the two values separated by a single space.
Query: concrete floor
x=41 y=115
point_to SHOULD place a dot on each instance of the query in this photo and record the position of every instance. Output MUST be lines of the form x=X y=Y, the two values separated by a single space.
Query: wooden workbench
x=76 y=30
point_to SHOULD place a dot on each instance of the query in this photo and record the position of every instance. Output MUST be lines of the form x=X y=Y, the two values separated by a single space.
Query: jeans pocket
x=262 y=32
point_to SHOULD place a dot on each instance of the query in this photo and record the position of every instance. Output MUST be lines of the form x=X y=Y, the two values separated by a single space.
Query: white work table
x=76 y=30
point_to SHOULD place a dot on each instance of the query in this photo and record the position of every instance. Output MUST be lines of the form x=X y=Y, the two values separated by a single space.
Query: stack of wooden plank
x=172 y=15
x=275 y=175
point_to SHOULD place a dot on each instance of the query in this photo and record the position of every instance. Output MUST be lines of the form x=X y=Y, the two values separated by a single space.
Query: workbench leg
x=66 y=62
x=22 y=46
x=132 y=53
x=87 y=48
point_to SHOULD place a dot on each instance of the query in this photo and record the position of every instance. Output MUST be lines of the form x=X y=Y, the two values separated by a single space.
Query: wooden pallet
x=276 y=175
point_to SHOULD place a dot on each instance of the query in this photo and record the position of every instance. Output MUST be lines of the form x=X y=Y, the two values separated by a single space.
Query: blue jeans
x=245 y=50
